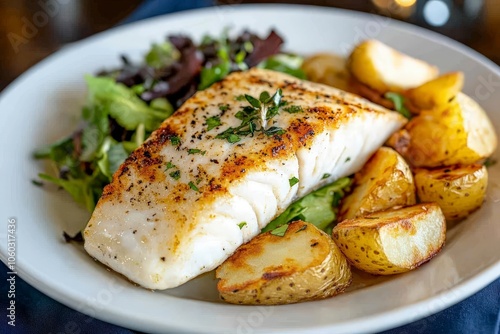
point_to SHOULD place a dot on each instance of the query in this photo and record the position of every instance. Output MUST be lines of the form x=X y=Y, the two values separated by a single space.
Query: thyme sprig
x=259 y=110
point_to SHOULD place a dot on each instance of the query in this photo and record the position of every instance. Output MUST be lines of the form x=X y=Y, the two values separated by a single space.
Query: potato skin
x=436 y=93
x=385 y=69
x=392 y=241
x=384 y=181
x=459 y=190
x=304 y=264
x=461 y=133
x=328 y=69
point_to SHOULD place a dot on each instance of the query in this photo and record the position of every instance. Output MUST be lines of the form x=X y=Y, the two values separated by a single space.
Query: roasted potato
x=385 y=69
x=302 y=264
x=328 y=69
x=461 y=133
x=436 y=93
x=393 y=241
x=459 y=190
x=384 y=181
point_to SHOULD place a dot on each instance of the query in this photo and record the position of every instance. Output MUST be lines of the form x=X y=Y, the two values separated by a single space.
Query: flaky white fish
x=185 y=200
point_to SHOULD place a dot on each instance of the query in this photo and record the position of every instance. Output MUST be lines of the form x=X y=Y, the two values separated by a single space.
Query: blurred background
x=31 y=30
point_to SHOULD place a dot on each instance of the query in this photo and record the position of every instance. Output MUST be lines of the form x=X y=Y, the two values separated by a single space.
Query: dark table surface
x=76 y=19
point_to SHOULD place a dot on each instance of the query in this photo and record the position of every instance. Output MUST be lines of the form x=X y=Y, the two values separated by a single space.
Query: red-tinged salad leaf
x=263 y=48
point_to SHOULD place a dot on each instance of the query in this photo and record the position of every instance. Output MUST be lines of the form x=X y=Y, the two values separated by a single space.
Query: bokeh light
x=436 y=13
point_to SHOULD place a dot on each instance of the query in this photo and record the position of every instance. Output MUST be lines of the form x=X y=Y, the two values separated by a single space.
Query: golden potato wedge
x=436 y=93
x=385 y=69
x=384 y=181
x=461 y=133
x=302 y=264
x=393 y=241
x=328 y=69
x=458 y=190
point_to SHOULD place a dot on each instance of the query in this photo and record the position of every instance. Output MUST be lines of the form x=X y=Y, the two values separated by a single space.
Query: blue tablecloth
x=37 y=313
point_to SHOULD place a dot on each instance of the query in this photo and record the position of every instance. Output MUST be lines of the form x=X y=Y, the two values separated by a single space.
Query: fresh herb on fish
x=293 y=181
x=213 y=122
x=193 y=186
x=262 y=109
x=176 y=141
x=175 y=174
x=169 y=165
x=196 y=151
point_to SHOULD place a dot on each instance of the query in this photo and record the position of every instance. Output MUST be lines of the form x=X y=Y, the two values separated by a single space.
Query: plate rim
x=467 y=287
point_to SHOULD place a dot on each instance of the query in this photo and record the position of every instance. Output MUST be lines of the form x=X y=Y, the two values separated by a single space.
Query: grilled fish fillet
x=176 y=207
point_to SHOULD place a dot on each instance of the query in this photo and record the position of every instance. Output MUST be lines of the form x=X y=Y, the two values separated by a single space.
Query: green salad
x=125 y=105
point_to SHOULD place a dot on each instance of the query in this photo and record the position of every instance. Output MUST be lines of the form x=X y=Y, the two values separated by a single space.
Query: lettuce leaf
x=122 y=104
x=318 y=208
x=289 y=64
x=112 y=155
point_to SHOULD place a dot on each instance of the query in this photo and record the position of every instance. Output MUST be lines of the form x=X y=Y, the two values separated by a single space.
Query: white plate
x=45 y=102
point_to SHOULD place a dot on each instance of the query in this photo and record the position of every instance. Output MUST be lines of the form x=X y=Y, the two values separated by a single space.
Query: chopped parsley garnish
x=193 y=186
x=213 y=122
x=224 y=107
x=274 y=130
x=326 y=176
x=196 y=151
x=170 y=165
x=259 y=111
x=242 y=224
x=229 y=136
x=176 y=141
x=347 y=159
x=293 y=109
x=240 y=98
x=175 y=174
x=232 y=138
x=293 y=181
x=280 y=230
x=398 y=101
